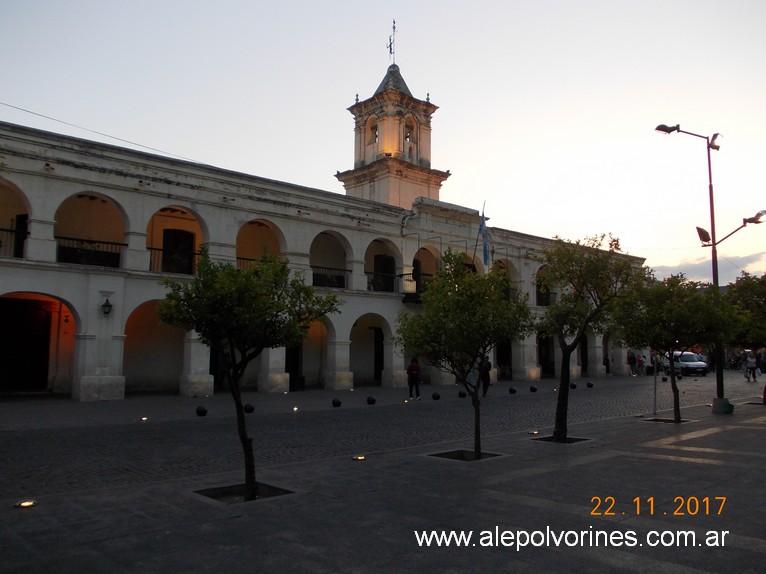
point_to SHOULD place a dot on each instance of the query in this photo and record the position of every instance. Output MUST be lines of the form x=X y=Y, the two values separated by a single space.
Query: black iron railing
x=246 y=263
x=330 y=277
x=416 y=283
x=173 y=261
x=382 y=282
x=12 y=243
x=88 y=251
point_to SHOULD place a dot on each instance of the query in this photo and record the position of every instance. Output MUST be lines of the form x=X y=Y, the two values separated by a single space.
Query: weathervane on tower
x=392 y=44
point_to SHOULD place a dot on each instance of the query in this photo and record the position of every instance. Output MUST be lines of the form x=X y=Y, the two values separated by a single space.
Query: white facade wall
x=46 y=169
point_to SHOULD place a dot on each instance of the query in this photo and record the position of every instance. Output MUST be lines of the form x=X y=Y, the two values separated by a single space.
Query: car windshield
x=690 y=358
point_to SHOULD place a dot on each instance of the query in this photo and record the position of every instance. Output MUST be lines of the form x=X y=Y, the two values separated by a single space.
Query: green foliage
x=244 y=310
x=464 y=315
x=588 y=281
x=675 y=314
x=748 y=293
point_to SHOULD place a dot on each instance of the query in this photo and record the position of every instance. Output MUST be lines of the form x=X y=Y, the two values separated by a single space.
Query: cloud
x=729 y=268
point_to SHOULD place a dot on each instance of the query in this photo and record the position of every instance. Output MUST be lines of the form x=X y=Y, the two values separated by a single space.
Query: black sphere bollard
x=572 y=385
x=336 y=402
x=511 y=391
x=436 y=396
x=462 y=394
x=533 y=389
x=249 y=408
x=589 y=385
x=370 y=400
x=201 y=411
x=664 y=379
x=679 y=377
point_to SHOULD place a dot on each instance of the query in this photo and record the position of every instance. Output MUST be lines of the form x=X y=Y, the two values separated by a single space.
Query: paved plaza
x=116 y=493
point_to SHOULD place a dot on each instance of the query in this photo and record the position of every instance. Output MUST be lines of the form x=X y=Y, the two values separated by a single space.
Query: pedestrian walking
x=632 y=363
x=484 y=375
x=413 y=378
x=750 y=366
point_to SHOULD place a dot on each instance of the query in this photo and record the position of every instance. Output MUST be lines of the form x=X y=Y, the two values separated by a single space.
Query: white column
x=96 y=378
x=40 y=245
x=338 y=374
x=618 y=357
x=135 y=255
x=358 y=280
x=596 y=366
x=272 y=377
x=222 y=252
x=196 y=380
x=525 y=359
x=394 y=373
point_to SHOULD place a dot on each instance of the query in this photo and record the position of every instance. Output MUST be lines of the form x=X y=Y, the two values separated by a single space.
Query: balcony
x=330 y=277
x=88 y=252
x=414 y=286
x=382 y=282
x=173 y=261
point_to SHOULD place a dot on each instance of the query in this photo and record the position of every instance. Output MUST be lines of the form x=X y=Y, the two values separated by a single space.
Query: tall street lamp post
x=721 y=405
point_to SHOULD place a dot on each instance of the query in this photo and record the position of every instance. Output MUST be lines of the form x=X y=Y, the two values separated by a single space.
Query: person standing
x=413 y=378
x=632 y=363
x=484 y=375
x=750 y=366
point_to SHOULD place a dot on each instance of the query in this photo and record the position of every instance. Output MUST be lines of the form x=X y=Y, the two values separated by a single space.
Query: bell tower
x=392 y=146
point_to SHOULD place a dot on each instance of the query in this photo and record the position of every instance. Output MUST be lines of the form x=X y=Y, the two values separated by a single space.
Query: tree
x=673 y=315
x=243 y=312
x=748 y=293
x=464 y=315
x=589 y=281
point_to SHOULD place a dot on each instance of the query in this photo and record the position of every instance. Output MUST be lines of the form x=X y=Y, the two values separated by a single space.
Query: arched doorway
x=370 y=350
x=174 y=238
x=14 y=220
x=381 y=261
x=424 y=268
x=306 y=362
x=37 y=344
x=328 y=258
x=154 y=351
x=546 y=356
x=255 y=239
x=90 y=230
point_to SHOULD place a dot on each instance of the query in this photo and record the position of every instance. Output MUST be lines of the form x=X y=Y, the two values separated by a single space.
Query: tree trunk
x=251 y=486
x=476 y=425
x=676 y=398
x=562 y=405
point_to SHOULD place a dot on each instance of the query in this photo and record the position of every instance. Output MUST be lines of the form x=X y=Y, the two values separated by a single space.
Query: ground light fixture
x=28 y=503
x=295 y=409
x=359 y=457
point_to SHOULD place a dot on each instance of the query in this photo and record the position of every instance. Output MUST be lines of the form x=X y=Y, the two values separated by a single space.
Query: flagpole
x=481 y=221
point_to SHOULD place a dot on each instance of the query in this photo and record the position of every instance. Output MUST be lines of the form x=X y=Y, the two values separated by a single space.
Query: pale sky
x=547 y=108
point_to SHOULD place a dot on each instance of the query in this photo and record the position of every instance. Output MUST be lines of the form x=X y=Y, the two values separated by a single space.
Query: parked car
x=687 y=363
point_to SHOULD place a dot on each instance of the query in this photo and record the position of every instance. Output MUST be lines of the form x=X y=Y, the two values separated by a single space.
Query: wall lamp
x=106 y=307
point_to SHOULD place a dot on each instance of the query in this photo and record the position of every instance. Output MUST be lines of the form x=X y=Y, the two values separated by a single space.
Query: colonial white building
x=88 y=230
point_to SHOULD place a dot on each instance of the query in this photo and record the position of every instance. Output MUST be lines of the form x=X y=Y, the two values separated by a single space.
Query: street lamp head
x=703 y=235
x=712 y=144
x=667 y=129
x=755 y=219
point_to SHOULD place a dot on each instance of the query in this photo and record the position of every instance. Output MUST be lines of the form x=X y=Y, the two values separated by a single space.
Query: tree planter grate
x=465 y=455
x=568 y=440
x=661 y=420
x=235 y=493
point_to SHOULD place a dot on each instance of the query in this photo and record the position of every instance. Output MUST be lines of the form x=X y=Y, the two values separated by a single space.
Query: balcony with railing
x=88 y=252
x=382 y=282
x=12 y=243
x=173 y=261
x=414 y=285
x=246 y=263
x=330 y=277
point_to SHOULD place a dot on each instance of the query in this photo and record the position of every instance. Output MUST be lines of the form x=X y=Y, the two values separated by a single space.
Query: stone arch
x=90 y=229
x=371 y=352
x=175 y=235
x=425 y=264
x=307 y=363
x=15 y=212
x=382 y=265
x=38 y=343
x=410 y=138
x=330 y=258
x=543 y=295
x=153 y=355
x=256 y=238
